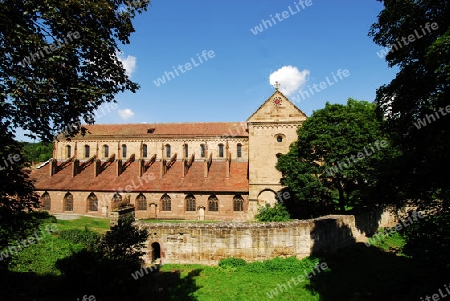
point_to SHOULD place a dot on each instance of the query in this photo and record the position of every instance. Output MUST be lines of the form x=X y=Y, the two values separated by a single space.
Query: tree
x=416 y=106
x=337 y=150
x=37 y=152
x=124 y=242
x=59 y=64
x=415 y=102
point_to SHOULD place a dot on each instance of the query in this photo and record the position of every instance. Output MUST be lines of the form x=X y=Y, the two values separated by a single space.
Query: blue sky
x=309 y=44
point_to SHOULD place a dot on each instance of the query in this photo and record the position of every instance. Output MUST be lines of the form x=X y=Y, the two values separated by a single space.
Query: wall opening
x=156 y=251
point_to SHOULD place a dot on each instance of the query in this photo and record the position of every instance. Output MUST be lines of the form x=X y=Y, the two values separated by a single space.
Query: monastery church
x=192 y=171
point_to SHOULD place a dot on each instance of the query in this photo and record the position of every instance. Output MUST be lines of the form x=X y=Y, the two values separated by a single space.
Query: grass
x=254 y=281
x=100 y=225
x=41 y=257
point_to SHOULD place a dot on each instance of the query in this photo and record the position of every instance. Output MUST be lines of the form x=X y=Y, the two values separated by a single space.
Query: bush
x=86 y=237
x=232 y=262
x=282 y=265
x=277 y=213
x=428 y=239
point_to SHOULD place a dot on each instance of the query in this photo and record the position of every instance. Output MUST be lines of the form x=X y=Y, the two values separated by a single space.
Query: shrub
x=232 y=262
x=277 y=213
x=124 y=242
x=281 y=265
x=86 y=237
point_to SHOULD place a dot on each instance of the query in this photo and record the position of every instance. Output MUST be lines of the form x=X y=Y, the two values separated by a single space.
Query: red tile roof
x=172 y=181
x=198 y=129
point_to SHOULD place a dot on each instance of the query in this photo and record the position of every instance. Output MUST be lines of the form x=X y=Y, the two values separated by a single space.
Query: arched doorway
x=155 y=251
x=267 y=196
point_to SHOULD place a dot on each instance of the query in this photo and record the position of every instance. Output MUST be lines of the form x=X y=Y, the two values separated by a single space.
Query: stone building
x=211 y=171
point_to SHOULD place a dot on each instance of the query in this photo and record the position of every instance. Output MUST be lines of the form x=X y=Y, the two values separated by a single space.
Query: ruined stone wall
x=209 y=243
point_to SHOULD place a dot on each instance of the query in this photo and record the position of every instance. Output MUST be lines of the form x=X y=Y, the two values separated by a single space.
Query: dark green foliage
x=419 y=92
x=277 y=213
x=37 y=152
x=123 y=242
x=324 y=159
x=54 y=90
x=232 y=262
x=282 y=265
x=86 y=237
x=428 y=239
x=117 y=255
x=414 y=104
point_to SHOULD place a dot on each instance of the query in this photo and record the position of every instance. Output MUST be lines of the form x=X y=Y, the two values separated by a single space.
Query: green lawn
x=100 y=225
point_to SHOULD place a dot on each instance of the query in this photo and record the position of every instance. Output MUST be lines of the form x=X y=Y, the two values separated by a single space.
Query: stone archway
x=267 y=196
x=155 y=252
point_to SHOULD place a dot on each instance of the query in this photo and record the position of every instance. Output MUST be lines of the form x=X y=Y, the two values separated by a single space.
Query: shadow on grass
x=359 y=273
x=104 y=286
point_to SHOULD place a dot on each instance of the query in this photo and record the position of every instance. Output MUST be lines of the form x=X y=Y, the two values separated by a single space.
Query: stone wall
x=208 y=243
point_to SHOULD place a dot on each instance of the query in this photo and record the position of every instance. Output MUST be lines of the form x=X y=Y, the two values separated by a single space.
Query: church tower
x=272 y=128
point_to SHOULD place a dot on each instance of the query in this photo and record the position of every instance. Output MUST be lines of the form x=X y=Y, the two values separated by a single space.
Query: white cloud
x=129 y=63
x=289 y=78
x=125 y=114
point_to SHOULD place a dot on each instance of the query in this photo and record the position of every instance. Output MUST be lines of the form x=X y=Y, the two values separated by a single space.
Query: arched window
x=144 y=150
x=166 y=203
x=105 y=151
x=124 y=151
x=202 y=150
x=68 y=151
x=279 y=138
x=239 y=150
x=46 y=201
x=116 y=198
x=186 y=150
x=221 y=150
x=213 y=203
x=93 y=202
x=168 y=152
x=68 y=202
x=141 y=202
x=190 y=203
x=238 y=203
x=86 y=151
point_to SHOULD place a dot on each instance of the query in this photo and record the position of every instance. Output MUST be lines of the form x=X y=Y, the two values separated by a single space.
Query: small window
x=144 y=151
x=124 y=151
x=238 y=203
x=105 y=151
x=186 y=151
x=141 y=202
x=221 y=150
x=68 y=202
x=239 y=150
x=93 y=202
x=168 y=151
x=166 y=203
x=68 y=151
x=213 y=203
x=86 y=151
x=202 y=150
x=190 y=203
x=150 y=131
x=279 y=138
